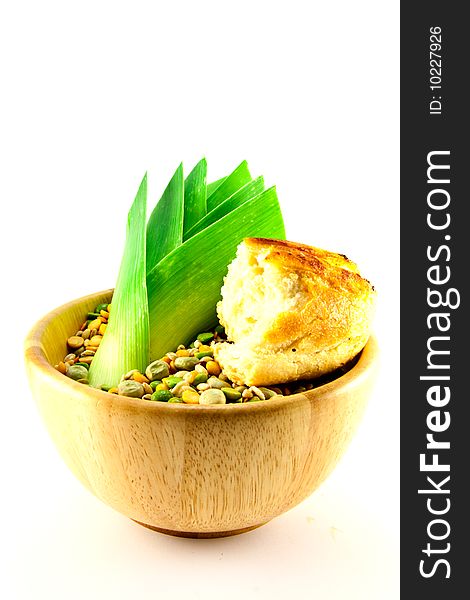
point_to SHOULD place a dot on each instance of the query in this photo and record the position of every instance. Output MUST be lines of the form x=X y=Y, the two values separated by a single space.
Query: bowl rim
x=34 y=355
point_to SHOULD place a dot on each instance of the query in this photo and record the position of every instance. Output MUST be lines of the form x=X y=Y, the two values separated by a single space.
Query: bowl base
x=203 y=534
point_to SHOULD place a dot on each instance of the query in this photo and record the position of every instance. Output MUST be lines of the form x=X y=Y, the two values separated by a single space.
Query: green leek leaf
x=249 y=190
x=238 y=178
x=211 y=187
x=126 y=343
x=195 y=206
x=165 y=226
x=184 y=287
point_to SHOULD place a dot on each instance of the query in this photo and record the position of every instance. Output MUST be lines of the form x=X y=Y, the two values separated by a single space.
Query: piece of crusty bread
x=292 y=312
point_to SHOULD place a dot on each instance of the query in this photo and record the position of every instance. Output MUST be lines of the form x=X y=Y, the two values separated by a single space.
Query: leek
x=195 y=207
x=165 y=226
x=126 y=343
x=211 y=187
x=238 y=178
x=184 y=287
x=249 y=190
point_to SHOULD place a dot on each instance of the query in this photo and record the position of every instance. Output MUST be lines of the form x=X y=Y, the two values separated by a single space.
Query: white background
x=92 y=95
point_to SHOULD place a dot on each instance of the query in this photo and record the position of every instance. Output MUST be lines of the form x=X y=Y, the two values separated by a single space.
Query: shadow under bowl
x=193 y=470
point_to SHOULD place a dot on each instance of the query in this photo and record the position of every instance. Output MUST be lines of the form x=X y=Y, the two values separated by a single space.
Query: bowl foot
x=201 y=535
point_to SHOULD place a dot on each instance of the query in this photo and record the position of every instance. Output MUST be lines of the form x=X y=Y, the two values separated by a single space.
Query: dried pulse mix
x=188 y=375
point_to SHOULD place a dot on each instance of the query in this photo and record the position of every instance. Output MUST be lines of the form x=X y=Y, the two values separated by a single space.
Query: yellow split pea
x=140 y=378
x=95 y=324
x=190 y=397
x=213 y=368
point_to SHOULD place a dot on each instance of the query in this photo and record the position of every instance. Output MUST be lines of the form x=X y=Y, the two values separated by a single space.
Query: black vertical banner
x=435 y=322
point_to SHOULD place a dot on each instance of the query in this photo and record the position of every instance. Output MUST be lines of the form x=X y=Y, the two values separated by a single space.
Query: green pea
x=231 y=394
x=216 y=383
x=103 y=306
x=200 y=378
x=91 y=316
x=200 y=355
x=212 y=396
x=162 y=396
x=175 y=401
x=205 y=338
x=77 y=372
x=158 y=369
x=172 y=380
x=267 y=392
x=240 y=388
x=219 y=330
x=186 y=363
x=131 y=388
x=153 y=384
x=105 y=388
x=83 y=365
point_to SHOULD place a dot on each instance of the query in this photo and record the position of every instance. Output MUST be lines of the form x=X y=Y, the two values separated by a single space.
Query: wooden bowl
x=192 y=470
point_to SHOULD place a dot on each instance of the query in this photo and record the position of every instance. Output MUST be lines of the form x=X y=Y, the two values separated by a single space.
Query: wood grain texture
x=192 y=470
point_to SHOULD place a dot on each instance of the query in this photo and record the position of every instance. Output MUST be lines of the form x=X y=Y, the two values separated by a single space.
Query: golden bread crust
x=328 y=324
